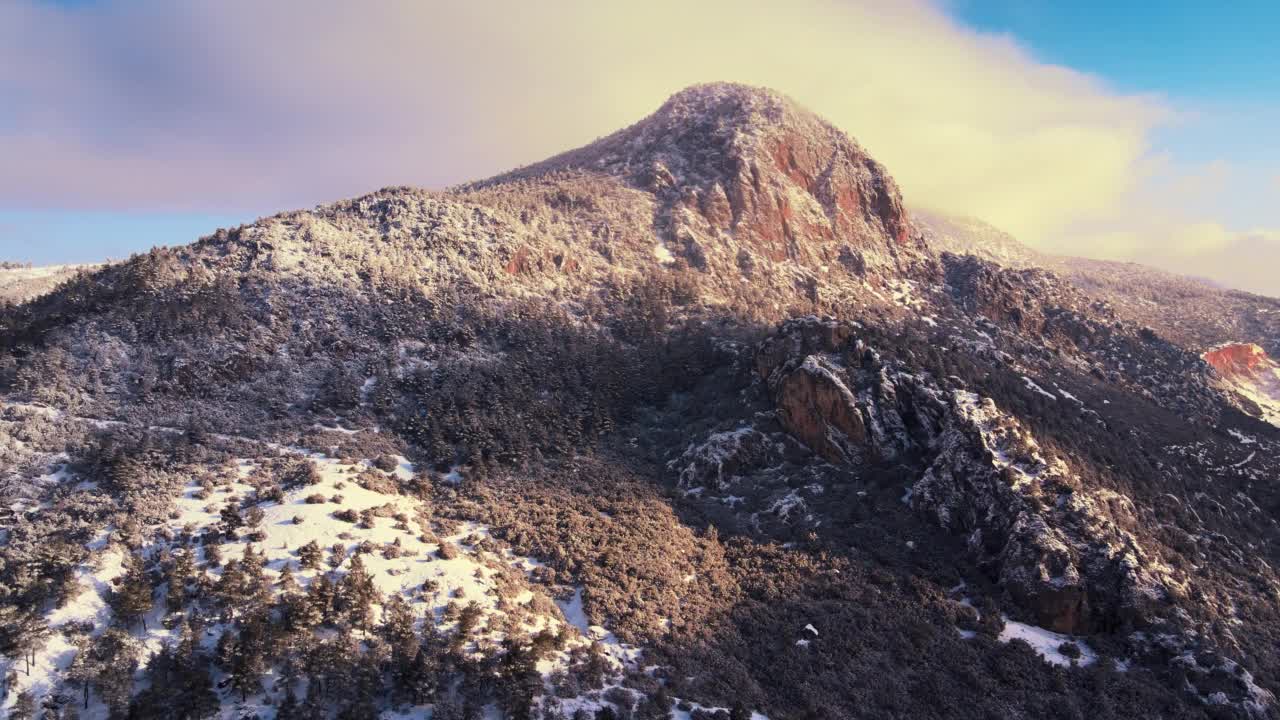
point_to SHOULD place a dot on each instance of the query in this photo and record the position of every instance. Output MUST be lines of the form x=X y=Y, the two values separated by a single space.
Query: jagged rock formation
x=1061 y=549
x=1064 y=551
x=1251 y=376
x=807 y=366
x=741 y=175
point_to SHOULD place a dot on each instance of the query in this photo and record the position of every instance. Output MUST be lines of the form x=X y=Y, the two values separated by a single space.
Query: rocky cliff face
x=835 y=394
x=1074 y=556
x=1250 y=376
x=1066 y=552
x=1060 y=548
x=743 y=176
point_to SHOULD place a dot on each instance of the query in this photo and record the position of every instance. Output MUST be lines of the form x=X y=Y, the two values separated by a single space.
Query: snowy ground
x=1047 y=643
x=405 y=559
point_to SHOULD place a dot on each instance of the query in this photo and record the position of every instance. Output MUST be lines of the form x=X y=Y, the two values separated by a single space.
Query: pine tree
x=230 y=588
x=133 y=600
x=248 y=656
x=656 y=706
x=402 y=642
x=254 y=517
x=197 y=698
x=231 y=520
x=180 y=573
x=24 y=707
x=213 y=554
x=114 y=659
x=311 y=556
x=178 y=682
x=289 y=709
x=420 y=678
x=337 y=555
x=287 y=582
x=255 y=590
x=320 y=601
x=22 y=634
x=358 y=594
x=81 y=671
x=551 y=708
x=520 y=681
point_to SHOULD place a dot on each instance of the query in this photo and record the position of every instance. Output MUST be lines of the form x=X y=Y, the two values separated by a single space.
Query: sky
x=1103 y=129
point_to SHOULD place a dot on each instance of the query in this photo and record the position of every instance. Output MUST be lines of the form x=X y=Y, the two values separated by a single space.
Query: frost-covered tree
x=178 y=683
x=181 y=572
x=22 y=634
x=357 y=594
x=246 y=657
x=24 y=707
x=231 y=519
x=311 y=556
x=519 y=682
x=114 y=658
x=132 y=599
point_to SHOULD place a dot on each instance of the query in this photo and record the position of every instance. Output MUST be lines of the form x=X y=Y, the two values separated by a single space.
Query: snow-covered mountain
x=21 y=283
x=696 y=421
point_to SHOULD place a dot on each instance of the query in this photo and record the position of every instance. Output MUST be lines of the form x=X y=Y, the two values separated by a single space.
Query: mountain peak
x=736 y=168
x=735 y=104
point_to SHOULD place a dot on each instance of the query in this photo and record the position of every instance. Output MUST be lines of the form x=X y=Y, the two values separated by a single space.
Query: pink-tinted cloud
x=236 y=104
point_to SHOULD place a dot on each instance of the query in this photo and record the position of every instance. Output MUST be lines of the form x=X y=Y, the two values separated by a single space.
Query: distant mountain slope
x=19 y=284
x=1191 y=311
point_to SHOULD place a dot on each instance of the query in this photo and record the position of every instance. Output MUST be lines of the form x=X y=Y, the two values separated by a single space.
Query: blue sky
x=1123 y=130
x=56 y=237
x=1218 y=63
x=1203 y=50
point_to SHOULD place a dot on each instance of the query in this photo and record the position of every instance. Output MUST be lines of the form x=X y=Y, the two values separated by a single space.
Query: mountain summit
x=739 y=171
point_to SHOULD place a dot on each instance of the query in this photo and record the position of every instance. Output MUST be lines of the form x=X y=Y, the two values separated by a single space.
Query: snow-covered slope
x=450 y=575
x=18 y=284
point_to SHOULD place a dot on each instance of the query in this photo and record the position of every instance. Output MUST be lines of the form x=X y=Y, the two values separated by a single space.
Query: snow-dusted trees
x=244 y=655
x=105 y=665
x=132 y=599
x=519 y=682
x=231 y=520
x=22 y=634
x=24 y=707
x=311 y=556
x=414 y=658
x=357 y=594
x=178 y=682
x=181 y=572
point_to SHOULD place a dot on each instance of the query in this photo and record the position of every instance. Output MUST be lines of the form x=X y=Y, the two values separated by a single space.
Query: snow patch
x=1047 y=643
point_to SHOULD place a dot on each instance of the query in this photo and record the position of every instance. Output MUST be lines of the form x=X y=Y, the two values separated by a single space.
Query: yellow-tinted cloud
x=311 y=100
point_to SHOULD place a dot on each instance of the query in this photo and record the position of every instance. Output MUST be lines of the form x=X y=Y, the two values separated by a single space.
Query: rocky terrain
x=1250 y=376
x=695 y=421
